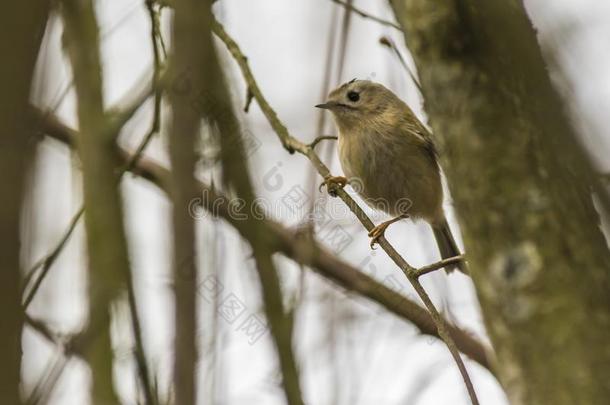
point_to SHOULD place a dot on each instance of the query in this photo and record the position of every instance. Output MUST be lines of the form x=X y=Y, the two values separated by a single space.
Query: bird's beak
x=329 y=105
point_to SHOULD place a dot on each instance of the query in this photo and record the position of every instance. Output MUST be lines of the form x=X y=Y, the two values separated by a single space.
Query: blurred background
x=350 y=351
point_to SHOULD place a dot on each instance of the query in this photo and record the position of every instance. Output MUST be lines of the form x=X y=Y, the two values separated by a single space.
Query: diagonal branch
x=301 y=251
x=48 y=261
x=292 y=145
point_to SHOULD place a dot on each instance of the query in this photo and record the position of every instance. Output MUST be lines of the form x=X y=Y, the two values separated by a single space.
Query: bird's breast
x=390 y=170
x=359 y=156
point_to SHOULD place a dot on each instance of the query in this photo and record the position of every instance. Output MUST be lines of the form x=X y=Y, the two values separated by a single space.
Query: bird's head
x=360 y=103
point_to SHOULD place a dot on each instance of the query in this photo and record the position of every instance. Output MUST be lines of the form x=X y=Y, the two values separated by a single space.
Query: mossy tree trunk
x=521 y=188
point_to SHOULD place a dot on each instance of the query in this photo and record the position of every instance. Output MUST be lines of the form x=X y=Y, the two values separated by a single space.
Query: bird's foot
x=333 y=183
x=379 y=231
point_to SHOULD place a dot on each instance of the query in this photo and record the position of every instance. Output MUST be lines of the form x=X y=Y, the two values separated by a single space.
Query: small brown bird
x=390 y=157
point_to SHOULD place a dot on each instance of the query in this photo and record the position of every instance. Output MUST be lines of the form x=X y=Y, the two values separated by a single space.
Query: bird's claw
x=379 y=231
x=333 y=183
x=376 y=233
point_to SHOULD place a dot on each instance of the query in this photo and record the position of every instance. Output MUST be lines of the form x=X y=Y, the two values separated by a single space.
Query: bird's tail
x=447 y=246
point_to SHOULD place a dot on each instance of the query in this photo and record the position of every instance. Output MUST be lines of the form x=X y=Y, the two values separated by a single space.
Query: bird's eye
x=353 y=96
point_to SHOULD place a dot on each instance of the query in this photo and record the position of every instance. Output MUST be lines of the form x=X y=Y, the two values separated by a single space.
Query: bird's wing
x=420 y=135
x=430 y=147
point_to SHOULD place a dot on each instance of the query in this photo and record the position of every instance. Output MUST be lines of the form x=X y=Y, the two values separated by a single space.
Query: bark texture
x=521 y=187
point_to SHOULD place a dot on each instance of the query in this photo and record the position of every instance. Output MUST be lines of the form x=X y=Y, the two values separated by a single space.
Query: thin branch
x=67 y=348
x=292 y=145
x=45 y=331
x=313 y=144
x=48 y=261
x=387 y=42
x=439 y=265
x=63 y=93
x=366 y=15
x=140 y=354
x=303 y=251
x=45 y=385
x=134 y=99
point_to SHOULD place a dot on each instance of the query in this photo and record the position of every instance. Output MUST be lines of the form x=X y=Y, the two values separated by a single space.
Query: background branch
x=187 y=64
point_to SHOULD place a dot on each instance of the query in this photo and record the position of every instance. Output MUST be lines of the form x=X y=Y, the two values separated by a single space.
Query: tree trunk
x=521 y=187
x=22 y=27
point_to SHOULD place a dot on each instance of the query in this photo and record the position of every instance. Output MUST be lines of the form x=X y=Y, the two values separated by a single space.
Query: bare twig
x=48 y=261
x=439 y=265
x=292 y=145
x=306 y=252
x=68 y=346
x=140 y=354
x=387 y=42
x=45 y=385
x=134 y=99
x=313 y=144
x=366 y=15
x=44 y=330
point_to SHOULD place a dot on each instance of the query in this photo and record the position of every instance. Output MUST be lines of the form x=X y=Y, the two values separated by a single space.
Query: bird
x=390 y=157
